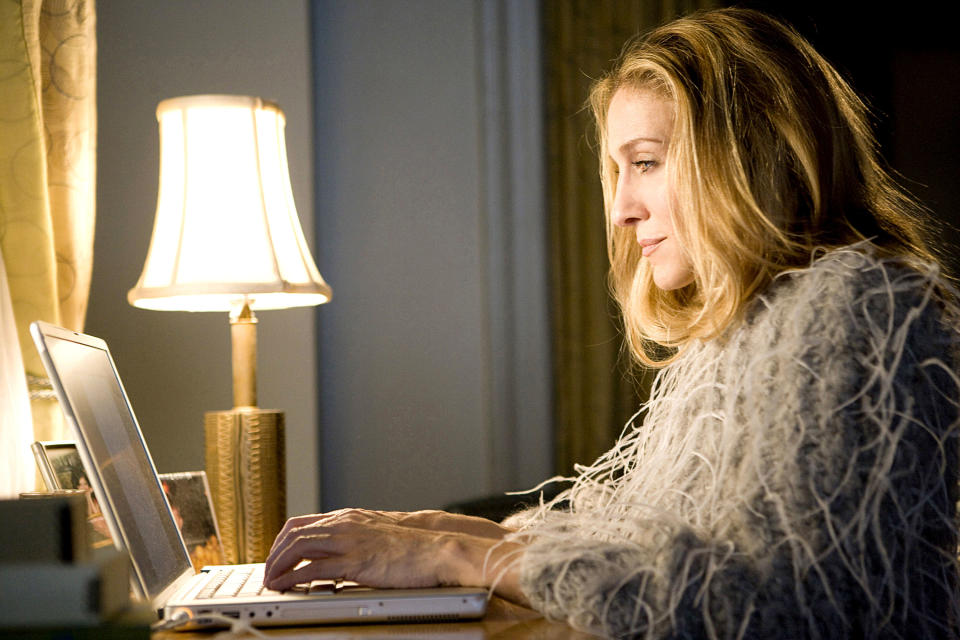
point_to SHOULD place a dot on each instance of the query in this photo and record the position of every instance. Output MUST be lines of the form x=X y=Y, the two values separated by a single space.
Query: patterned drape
x=595 y=390
x=17 y=471
x=47 y=170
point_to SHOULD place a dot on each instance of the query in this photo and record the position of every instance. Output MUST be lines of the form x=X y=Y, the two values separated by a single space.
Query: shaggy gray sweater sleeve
x=795 y=480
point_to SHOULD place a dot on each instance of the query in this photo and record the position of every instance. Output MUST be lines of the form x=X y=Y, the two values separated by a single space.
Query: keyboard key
x=254 y=584
x=234 y=583
x=216 y=580
x=323 y=586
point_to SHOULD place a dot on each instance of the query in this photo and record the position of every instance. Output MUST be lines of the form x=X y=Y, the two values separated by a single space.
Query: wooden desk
x=504 y=621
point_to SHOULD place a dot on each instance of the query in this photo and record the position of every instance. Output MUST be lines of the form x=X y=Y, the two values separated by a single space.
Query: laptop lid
x=116 y=457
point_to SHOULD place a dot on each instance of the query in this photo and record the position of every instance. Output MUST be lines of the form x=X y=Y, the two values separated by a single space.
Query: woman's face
x=639 y=125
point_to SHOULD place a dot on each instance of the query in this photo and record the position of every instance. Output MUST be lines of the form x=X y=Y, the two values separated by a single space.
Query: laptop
x=135 y=507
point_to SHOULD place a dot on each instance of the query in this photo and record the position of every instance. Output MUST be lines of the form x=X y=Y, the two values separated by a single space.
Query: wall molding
x=513 y=210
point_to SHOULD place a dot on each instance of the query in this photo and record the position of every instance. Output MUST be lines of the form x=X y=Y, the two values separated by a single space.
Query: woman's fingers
x=295 y=525
x=319 y=540
x=292 y=523
x=305 y=547
x=321 y=569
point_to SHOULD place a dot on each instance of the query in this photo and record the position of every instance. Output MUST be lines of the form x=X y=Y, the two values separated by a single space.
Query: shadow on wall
x=907 y=66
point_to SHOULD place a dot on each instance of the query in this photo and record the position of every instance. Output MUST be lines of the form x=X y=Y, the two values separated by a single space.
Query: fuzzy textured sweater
x=796 y=479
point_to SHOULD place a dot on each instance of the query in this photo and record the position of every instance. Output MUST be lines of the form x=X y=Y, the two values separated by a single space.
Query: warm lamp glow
x=226 y=228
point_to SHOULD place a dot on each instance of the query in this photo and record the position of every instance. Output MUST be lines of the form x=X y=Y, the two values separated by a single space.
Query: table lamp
x=226 y=237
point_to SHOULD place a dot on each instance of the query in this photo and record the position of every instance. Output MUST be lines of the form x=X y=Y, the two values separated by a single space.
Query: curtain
x=595 y=389
x=16 y=466
x=47 y=174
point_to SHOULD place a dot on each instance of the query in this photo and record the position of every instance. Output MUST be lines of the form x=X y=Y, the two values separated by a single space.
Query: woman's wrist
x=475 y=561
x=443 y=521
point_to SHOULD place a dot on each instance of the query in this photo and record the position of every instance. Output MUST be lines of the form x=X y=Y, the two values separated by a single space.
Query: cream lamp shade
x=226 y=230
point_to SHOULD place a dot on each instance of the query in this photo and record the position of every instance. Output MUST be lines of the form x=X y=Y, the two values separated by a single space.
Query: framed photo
x=189 y=496
x=60 y=465
x=61 y=469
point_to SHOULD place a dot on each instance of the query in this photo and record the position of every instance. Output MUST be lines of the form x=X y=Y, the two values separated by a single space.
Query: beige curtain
x=17 y=471
x=595 y=390
x=47 y=165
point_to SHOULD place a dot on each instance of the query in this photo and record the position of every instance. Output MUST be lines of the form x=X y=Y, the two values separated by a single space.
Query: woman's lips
x=650 y=245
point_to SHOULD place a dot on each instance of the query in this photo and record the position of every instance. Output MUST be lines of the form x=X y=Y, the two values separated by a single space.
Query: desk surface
x=504 y=621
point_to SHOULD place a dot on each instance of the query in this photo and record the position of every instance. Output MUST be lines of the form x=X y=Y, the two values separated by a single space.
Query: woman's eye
x=644 y=165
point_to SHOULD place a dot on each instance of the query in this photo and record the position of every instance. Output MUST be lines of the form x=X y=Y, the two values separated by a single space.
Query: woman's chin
x=668 y=279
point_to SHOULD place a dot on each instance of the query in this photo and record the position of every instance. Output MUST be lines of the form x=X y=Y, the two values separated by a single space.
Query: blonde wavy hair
x=772 y=157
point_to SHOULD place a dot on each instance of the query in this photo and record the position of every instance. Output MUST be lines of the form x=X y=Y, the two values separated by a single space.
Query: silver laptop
x=121 y=471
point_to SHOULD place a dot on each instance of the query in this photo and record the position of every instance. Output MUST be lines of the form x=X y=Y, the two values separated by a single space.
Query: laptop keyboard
x=230 y=583
x=247 y=582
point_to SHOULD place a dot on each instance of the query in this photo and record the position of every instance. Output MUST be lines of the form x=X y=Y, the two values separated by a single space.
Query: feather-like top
x=796 y=479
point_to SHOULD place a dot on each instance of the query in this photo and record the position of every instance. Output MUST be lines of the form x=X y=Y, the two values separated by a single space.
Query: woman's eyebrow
x=634 y=141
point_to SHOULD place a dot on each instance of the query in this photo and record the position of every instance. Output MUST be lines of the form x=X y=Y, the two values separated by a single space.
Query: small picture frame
x=188 y=494
x=60 y=465
x=62 y=469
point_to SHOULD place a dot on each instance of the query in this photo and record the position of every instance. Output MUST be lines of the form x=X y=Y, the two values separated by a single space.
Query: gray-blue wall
x=433 y=356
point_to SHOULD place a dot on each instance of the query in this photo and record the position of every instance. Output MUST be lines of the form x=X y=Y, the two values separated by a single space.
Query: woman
x=795 y=474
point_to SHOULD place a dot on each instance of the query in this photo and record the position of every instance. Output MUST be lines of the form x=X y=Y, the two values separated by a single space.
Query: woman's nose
x=627 y=208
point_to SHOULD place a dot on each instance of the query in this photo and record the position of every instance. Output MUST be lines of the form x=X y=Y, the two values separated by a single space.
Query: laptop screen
x=126 y=472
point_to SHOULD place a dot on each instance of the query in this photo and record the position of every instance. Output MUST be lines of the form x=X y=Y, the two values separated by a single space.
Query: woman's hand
x=431 y=520
x=393 y=550
x=374 y=551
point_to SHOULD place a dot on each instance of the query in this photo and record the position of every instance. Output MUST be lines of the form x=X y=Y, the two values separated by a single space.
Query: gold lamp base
x=247 y=475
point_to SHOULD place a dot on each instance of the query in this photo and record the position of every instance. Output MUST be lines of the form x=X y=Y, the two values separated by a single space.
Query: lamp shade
x=226 y=229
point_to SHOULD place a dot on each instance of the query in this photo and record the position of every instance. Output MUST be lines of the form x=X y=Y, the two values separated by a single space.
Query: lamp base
x=247 y=475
